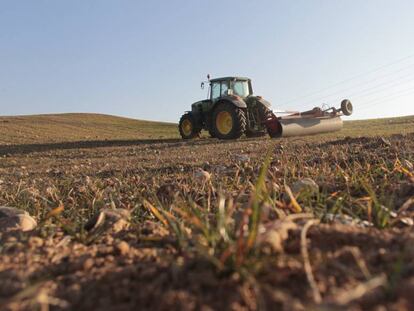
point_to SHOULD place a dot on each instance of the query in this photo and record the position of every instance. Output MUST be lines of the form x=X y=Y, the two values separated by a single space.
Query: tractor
x=232 y=110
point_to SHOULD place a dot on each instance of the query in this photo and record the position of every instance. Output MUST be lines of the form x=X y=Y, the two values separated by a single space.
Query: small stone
x=242 y=158
x=365 y=223
x=120 y=225
x=35 y=242
x=6 y=211
x=220 y=169
x=407 y=221
x=347 y=220
x=305 y=184
x=88 y=264
x=106 y=219
x=385 y=141
x=275 y=233
x=104 y=250
x=123 y=248
x=382 y=251
x=108 y=240
x=202 y=175
x=15 y=219
x=390 y=212
x=109 y=258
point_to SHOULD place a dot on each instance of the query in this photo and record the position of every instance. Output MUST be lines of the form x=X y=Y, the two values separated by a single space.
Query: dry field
x=74 y=127
x=315 y=223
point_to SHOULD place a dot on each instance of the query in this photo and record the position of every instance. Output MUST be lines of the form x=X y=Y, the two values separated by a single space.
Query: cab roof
x=230 y=78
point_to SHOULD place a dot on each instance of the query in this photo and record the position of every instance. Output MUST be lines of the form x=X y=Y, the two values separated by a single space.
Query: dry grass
x=79 y=127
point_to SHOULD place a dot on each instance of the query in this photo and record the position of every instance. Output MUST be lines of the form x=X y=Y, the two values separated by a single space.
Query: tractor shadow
x=30 y=148
x=7 y=150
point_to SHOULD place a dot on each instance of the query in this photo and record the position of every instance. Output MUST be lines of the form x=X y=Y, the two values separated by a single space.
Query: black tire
x=346 y=107
x=238 y=121
x=188 y=127
x=275 y=130
x=264 y=112
x=211 y=133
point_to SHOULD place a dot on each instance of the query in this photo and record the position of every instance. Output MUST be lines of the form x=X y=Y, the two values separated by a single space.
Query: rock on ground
x=305 y=184
x=15 y=219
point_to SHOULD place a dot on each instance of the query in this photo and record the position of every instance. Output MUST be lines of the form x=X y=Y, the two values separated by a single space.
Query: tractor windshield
x=241 y=88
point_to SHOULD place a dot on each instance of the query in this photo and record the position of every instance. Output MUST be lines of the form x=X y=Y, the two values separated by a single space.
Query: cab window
x=241 y=88
x=224 y=88
x=215 y=90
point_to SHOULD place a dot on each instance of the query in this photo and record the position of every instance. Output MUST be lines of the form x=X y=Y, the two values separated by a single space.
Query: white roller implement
x=309 y=126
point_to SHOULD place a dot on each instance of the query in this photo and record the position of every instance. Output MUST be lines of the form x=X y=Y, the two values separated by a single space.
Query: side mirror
x=202 y=85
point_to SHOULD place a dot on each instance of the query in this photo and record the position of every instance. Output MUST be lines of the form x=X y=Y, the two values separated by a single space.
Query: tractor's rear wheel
x=188 y=127
x=211 y=133
x=229 y=121
x=264 y=113
x=274 y=128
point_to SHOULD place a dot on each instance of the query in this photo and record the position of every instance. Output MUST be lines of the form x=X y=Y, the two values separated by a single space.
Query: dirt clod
x=123 y=248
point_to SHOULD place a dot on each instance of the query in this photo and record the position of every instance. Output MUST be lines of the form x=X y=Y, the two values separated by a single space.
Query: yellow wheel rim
x=187 y=127
x=224 y=122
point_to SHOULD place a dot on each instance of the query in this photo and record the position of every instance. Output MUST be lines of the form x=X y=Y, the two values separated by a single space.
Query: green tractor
x=230 y=111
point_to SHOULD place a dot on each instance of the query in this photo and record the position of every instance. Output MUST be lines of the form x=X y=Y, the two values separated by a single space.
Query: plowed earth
x=363 y=260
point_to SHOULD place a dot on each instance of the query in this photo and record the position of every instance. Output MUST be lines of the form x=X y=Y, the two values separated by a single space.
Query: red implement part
x=273 y=126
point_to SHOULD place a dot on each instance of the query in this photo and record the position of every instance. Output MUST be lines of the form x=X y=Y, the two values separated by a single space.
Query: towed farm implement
x=231 y=110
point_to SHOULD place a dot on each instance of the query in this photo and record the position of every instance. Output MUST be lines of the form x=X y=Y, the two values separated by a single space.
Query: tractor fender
x=263 y=102
x=235 y=100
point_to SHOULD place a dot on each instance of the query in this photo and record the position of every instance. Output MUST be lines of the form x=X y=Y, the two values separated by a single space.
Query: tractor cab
x=236 y=86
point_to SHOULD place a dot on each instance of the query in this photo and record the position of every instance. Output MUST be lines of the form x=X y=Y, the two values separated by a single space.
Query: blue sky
x=146 y=59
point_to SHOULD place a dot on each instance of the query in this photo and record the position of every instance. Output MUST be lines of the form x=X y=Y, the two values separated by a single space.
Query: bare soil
x=176 y=260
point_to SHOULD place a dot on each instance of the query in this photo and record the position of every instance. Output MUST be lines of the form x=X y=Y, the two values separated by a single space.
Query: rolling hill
x=69 y=127
x=74 y=127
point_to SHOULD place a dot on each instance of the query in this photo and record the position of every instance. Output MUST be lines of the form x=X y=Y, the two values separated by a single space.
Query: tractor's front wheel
x=188 y=127
x=229 y=121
